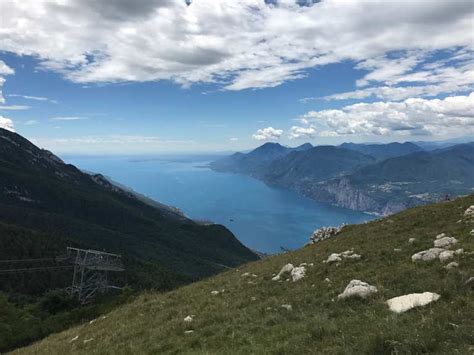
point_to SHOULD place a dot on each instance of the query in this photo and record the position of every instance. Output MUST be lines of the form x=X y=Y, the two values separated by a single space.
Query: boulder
x=452 y=265
x=427 y=255
x=357 y=288
x=404 y=303
x=459 y=251
x=214 y=292
x=285 y=269
x=188 y=319
x=446 y=255
x=298 y=273
x=333 y=258
x=445 y=242
x=411 y=240
x=470 y=211
x=287 y=307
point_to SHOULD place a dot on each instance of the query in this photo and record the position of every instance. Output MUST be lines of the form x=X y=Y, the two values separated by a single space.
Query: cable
x=11 y=271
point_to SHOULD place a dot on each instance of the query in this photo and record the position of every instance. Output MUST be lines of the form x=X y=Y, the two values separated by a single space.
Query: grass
x=247 y=317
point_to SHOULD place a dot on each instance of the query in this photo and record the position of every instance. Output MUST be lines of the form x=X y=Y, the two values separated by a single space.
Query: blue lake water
x=261 y=217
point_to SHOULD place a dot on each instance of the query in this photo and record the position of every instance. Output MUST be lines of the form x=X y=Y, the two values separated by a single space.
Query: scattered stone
x=245 y=274
x=357 y=288
x=446 y=255
x=327 y=280
x=333 y=258
x=324 y=233
x=427 y=255
x=397 y=250
x=411 y=240
x=214 y=292
x=303 y=264
x=287 y=307
x=298 y=273
x=471 y=232
x=444 y=242
x=188 y=319
x=88 y=340
x=441 y=235
x=92 y=321
x=469 y=211
x=254 y=275
x=404 y=303
x=452 y=265
x=311 y=264
x=188 y=331
x=74 y=339
x=459 y=251
x=336 y=257
x=285 y=269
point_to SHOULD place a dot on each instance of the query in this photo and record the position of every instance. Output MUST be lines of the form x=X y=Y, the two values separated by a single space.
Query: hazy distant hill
x=381 y=178
x=255 y=162
x=383 y=151
x=397 y=183
x=315 y=164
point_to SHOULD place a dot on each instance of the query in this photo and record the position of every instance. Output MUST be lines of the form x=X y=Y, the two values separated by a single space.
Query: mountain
x=246 y=314
x=383 y=151
x=41 y=193
x=397 y=183
x=255 y=162
x=314 y=165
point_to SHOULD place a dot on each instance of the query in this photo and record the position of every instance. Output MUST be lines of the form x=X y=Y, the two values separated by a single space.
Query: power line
x=46 y=268
x=26 y=260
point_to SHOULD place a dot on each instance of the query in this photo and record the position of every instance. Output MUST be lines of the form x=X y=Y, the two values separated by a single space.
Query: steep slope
x=248 y=317
x=401 y=182
x=316 y=164
x=383 y=151
x=255 y=162
x=41 y=193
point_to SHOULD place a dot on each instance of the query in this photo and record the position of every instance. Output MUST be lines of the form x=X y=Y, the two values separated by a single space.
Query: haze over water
x=263 y=218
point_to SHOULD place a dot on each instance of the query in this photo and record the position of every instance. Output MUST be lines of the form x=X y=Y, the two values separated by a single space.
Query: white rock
x=442 y=235
x=287 y=307
x=404 y=303
x=469 y=211
x=298 y=273
x=411 y=240
x=333 y=258
x=347 y=252
x=254 y=275
x=427 y=255
x=74 y=339
x=245 y=274
x=469 y=282
x=446 y=255
x=327 y=280
x=452 y=265
x=285 y=269
x=471 y=232
x=253 y=298
x=188 y=319
x=88 y=340
x=352 y=256
x=459 y=251
x=188 y=331
x=324 y=233
x=445 y=242
x=214 y=292
x=397 y=250
x=303 y=264
x=357 y=288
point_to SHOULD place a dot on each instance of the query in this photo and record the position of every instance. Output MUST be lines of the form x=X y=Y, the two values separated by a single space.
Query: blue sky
x=114 y=80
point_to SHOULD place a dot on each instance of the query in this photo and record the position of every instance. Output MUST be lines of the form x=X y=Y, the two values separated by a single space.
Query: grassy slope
x=232 y=323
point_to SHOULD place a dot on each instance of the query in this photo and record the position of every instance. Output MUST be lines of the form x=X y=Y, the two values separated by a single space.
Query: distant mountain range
x=378 y=178
x=44 y=199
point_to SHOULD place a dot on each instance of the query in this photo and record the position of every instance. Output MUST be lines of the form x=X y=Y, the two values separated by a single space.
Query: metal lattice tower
x=91 y=268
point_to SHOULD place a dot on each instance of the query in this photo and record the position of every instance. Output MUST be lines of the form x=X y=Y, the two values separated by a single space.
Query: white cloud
x=233 y=139
x=4 y=70
x=268 y=133
x=35 y=98
x=30 y=122
x=412 y=116
x=68 y=118
x=7 y=124
x=297 y=132
x=238 y=44
x=14 y=107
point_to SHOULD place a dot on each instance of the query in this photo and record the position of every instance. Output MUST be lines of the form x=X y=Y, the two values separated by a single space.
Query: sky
x=170 y=76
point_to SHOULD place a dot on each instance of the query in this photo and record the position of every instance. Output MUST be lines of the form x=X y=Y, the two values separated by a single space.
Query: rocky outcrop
x=427 y=255
x=336 y=257
x=298 y=273
x=404 y=303
x=284 y=270
x=469 y=212
x=324 y=233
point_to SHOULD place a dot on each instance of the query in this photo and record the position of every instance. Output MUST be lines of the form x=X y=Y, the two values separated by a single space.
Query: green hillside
x=247 y=316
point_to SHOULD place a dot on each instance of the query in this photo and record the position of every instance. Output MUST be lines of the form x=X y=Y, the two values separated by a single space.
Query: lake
x=263 y=218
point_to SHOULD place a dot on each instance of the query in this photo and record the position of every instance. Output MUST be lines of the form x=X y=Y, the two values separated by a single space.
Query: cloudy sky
x=151 y=76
